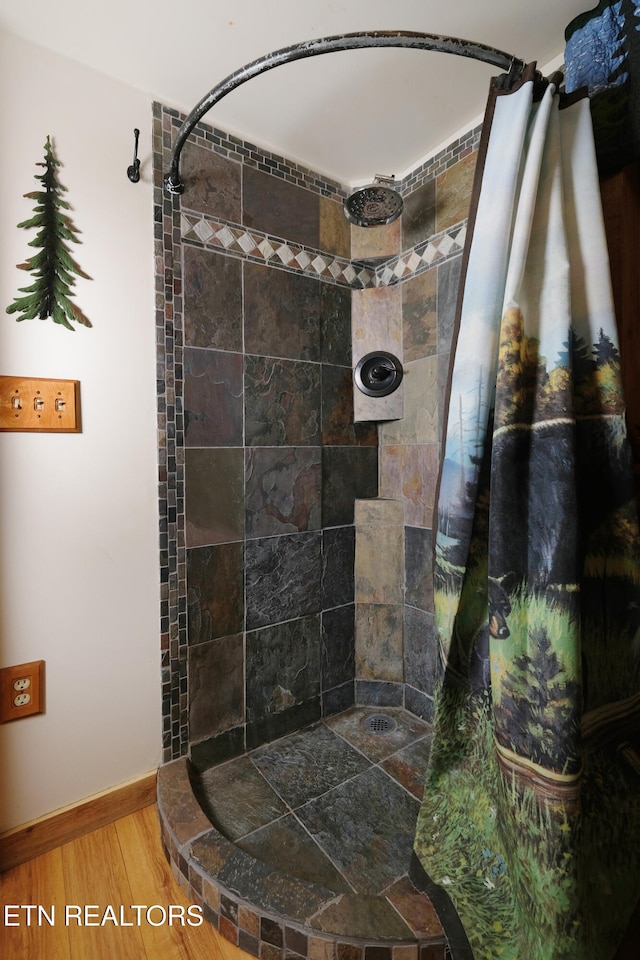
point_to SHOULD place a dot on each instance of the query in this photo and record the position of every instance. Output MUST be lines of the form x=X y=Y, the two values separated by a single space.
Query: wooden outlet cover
x=19 y=680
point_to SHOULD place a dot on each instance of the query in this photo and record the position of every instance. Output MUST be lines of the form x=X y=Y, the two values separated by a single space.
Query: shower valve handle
x=380 y=372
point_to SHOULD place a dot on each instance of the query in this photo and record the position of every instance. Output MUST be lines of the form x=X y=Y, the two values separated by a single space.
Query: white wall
x=78 y=529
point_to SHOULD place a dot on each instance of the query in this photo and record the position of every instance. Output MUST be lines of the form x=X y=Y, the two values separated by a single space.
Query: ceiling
x=349 y=115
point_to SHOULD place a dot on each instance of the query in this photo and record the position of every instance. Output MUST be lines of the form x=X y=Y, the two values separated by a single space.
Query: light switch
x=37 y=404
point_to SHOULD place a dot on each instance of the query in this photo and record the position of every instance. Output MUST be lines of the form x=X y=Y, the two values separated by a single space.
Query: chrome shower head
x=374 y=204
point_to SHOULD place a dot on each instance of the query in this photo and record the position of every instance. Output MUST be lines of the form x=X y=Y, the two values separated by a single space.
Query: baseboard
x=54 y=829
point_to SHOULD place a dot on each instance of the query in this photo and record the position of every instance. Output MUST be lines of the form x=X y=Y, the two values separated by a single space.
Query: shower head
x=373 y=205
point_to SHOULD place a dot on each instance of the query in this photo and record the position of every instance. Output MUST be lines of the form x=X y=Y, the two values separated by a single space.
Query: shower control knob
x=378 y=374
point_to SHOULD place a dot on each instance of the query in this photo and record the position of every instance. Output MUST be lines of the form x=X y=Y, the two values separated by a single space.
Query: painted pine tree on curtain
x=531 y=813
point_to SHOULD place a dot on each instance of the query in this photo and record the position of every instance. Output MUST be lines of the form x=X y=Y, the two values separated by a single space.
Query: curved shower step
x=273 y=914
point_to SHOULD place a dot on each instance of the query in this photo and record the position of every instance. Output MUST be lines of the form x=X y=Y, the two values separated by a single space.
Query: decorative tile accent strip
x=254 y=245
x=235 y=239
x=442 y=246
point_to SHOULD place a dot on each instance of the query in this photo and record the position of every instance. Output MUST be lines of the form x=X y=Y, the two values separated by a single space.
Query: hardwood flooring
x=119 y=865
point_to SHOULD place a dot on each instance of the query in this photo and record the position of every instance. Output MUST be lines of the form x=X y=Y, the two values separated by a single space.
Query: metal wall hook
x=133 y=172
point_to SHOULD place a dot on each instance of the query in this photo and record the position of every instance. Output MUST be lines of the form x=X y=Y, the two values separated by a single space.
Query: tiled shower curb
x=268 y=935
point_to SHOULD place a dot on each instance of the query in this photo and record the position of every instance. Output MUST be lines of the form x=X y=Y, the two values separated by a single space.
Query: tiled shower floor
x=327 y=818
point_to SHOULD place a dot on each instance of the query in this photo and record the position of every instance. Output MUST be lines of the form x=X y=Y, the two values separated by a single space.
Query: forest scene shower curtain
x=531 y=813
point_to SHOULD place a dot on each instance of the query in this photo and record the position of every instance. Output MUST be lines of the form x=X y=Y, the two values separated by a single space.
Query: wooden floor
x=119 y=865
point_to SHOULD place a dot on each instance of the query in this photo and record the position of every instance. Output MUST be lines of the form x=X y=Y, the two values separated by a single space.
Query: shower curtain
x=531 y=814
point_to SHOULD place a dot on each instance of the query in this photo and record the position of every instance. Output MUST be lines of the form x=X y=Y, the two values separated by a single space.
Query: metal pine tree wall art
x=53 y=269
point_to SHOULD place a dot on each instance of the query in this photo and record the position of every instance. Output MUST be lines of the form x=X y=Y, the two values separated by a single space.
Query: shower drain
x=379 y=723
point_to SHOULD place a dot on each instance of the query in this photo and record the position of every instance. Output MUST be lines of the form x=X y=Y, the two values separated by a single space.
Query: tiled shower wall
x=417 y=292
x=260 y=461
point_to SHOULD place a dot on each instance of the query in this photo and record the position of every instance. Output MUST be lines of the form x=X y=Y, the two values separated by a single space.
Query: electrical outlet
x=21 y=690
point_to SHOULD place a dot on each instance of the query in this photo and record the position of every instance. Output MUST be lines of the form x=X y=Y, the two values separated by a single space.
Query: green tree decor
x=52 y=267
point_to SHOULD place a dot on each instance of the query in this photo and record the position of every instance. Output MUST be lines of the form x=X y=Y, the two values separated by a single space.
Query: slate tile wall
x=413 y=316
x=260 y=461
x=379 y=564
x=410 y=448
x=272 y=465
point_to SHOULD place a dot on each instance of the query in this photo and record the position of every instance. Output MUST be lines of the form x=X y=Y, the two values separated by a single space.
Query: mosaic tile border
x=263 y=934
x=170 y=414
x=433 y=166
x=243 y=151
x=234 y=239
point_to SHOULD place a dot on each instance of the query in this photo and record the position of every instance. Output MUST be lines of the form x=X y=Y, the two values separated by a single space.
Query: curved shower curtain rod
x=313 y=48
